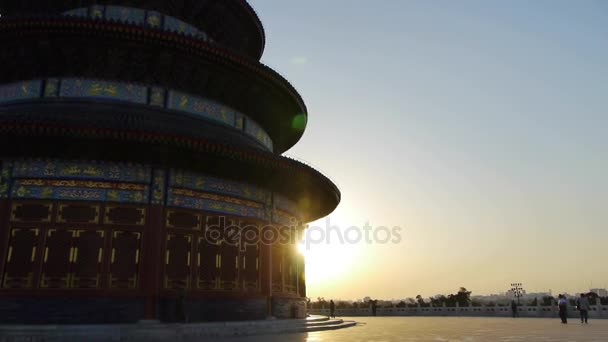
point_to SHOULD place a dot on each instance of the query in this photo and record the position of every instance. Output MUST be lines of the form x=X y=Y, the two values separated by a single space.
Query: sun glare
x=327 y=260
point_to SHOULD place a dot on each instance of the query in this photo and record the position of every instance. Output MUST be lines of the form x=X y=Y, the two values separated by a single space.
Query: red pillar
x=4 y=234
x=266 y=275
x=152 y=261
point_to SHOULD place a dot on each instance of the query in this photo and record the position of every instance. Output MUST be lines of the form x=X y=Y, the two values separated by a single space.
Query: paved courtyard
x=398 y=329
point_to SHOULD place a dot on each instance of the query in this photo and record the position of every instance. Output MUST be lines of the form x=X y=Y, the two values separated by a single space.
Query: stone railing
x=597 y=311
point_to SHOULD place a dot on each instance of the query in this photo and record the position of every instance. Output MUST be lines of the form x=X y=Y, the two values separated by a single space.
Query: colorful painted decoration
x=135 y=93
x=140 y=17
x=140 y=184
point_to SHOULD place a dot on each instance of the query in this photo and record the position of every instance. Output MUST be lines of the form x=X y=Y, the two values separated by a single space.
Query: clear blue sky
x=480 y=127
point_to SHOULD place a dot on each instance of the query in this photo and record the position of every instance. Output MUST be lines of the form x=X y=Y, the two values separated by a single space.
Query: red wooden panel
x=87 y=263
x=58 y=254
x=178 y=261
x=277 y=268
x=229 y=266
x=124 y=263
x=19 y=266
x=208 y=257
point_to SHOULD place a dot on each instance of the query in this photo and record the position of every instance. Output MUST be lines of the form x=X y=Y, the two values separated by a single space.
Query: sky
x=478 y=128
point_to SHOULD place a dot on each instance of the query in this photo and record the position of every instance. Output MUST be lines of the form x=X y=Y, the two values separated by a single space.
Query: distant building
x=600 y=292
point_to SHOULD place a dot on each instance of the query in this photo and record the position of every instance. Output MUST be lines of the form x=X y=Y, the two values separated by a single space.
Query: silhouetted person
x=514 y=309
x=562 y=304
x=332 y=309
x=583 y=307
x=374 y=307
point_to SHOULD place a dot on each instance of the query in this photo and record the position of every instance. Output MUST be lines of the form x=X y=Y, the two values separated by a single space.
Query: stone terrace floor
x=461 y=329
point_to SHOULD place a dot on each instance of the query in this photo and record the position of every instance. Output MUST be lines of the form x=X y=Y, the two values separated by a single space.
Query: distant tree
x=438 y=300
x=593 y=298
x=411 y=302
x=547 y=301
x=420 y=300
x=533 y=302
x=401 y=304
x=321 y=303
x=342 y=304
x=462 y=298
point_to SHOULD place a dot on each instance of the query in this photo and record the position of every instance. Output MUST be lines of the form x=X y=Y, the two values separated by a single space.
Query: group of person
x=582 y=305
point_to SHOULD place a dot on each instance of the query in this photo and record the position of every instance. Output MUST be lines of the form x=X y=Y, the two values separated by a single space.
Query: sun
x=327 y=261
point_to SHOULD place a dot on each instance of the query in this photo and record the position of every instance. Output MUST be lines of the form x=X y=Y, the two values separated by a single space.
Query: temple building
x=141 y=167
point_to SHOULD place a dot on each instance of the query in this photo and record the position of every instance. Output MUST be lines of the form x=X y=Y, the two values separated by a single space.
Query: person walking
x=562 y=304
x=583 y=307
x=332 y=309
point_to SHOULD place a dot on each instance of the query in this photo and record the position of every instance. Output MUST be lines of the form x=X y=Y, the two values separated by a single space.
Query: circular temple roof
x=56 y=46
x=231 y=23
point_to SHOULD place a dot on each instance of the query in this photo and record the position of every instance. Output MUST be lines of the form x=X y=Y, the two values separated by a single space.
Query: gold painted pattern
x=83 y=184
x=214 y=197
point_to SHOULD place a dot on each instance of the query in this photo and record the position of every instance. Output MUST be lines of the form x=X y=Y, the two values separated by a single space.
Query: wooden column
x=266 y=275
x=152 y=259
x=4 y=233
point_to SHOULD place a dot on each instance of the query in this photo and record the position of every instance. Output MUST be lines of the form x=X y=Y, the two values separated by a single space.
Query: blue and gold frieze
x=72 y=87
x=254 y=130
x=6 y=168
x=139 y=184
x=175 y=25
x=159 y=185
x=20 y=91
x=216 y=198
x=49 y=169
x=195 y=181
x=240 y=122
x=151 y=19
x=97 y=12
x=51 y=87
x=208 y=109
x=285 y=204
x=25 y=189
x=284 y=218
x=125 y=14
x=79 y=12
x=179 y=199
x=135 y=93
x=157 y=97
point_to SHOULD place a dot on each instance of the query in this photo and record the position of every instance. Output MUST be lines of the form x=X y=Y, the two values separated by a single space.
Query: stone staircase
x=322 y=323
x=157 y=332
